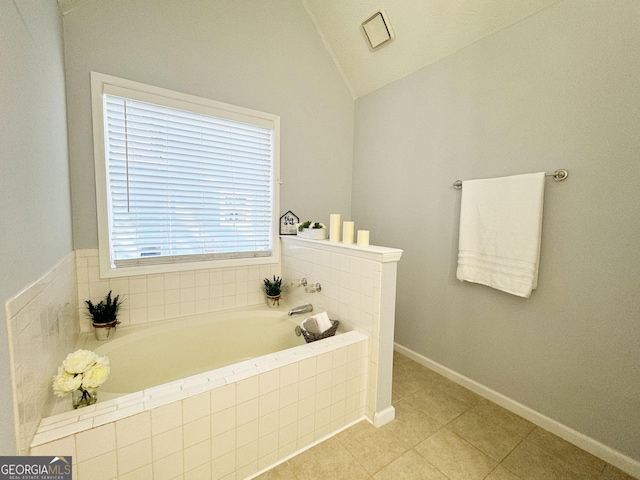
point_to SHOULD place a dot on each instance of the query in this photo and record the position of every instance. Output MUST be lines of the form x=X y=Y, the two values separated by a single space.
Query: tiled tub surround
x=148 y=298
x=227 y=424
x=42 y=326
x=359 y=289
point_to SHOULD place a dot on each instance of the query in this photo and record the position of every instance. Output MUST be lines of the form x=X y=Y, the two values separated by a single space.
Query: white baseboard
x=600 y=450
x=384 y=417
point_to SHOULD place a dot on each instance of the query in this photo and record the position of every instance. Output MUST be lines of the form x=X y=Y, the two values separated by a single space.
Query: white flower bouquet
x=83 y=371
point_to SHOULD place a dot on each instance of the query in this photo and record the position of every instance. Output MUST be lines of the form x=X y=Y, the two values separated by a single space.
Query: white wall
x=261 y=55
x=557 y=90
x=35 y=205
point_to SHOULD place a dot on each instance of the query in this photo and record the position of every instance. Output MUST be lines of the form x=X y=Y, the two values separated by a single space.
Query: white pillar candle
x=334 y=227
x=363 y=238
x=347 y=233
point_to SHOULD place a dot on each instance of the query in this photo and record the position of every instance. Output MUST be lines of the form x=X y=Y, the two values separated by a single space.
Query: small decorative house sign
x=288 y=223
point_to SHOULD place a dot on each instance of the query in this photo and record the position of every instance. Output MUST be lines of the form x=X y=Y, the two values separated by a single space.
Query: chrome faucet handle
x=313 y=288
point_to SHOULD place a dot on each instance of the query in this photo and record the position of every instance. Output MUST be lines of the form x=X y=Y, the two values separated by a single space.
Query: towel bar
x=558 y=176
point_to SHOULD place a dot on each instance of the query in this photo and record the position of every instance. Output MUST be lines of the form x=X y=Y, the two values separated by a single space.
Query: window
x=181 y=182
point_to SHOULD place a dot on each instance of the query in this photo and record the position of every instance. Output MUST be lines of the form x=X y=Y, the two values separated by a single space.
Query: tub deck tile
x=161 y=390
x=194 y=389
x=266 y=365
x=60 y=419
x=237 y=376
x=106 y=408
x=50 y=426
x=63 y=431
x=215 y=383
x=160 y=400
x=128 y=399
x=118 y=414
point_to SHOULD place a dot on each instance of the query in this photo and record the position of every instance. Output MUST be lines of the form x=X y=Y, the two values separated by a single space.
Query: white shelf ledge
x=371 y=252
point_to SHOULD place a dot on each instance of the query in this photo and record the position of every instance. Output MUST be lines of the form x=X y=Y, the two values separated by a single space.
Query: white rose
x=64 y=383
x=95 y=376
x=102 y=360
x=79 y=361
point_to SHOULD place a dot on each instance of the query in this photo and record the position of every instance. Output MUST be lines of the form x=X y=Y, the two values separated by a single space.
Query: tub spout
x=301 y=309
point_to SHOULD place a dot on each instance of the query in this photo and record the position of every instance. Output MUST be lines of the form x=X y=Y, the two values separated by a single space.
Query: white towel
x=500 y=231
x=317 y=323
x=323 y=321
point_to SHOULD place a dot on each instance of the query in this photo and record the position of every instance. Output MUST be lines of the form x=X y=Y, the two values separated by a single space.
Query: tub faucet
x=301 y=309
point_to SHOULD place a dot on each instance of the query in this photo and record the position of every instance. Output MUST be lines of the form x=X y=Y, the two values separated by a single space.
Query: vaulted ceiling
x=426 y=31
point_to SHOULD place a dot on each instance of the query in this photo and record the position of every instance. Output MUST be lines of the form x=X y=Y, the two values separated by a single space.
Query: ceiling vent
x=378 y=30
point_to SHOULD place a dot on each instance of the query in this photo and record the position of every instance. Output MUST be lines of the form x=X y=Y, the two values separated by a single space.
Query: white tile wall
x=170 y=295
x=354 y=283
x=42 y=326
x=232 y=426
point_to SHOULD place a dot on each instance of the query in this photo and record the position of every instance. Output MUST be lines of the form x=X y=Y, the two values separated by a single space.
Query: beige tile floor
x=443 y=431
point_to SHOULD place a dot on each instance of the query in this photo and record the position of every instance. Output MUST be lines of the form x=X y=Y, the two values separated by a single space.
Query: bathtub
x=235 y=416
x=145 y=356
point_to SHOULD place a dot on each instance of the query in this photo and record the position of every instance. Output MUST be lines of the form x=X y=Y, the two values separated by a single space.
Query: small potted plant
x=313 y=230
x=104 y=315
x=273 y=291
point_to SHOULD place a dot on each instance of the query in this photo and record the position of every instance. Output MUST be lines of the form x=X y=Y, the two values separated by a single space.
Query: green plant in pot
x=104 y=315
x=273 y=291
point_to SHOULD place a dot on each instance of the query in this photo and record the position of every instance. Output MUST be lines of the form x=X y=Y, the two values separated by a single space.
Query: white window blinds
x=185 y=186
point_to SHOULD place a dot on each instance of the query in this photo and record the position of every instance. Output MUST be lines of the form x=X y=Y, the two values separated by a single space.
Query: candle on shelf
x=363 y=238
x=334 y=227
x=347 y=233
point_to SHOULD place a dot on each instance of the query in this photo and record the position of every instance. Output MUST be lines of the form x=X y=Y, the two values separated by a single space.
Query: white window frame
x=101 y=84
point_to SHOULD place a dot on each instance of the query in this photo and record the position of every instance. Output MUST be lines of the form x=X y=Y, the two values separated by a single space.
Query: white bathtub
x=234 y=420
x=149 y=355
